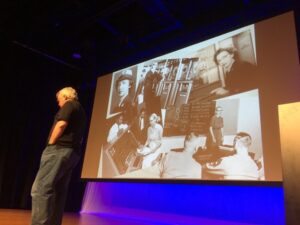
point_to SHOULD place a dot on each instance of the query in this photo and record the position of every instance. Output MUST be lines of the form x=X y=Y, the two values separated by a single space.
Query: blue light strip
x=244 y=204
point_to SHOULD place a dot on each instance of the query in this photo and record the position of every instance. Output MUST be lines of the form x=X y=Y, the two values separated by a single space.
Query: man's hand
x=57 y=131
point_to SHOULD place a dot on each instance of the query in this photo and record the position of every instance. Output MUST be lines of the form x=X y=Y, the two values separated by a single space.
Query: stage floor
x=22 y=217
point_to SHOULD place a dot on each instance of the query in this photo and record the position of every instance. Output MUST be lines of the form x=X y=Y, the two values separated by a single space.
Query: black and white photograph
x=188 y=107
x=122 y=93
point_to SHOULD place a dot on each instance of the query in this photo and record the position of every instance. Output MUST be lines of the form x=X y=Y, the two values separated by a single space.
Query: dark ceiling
x=100 y=36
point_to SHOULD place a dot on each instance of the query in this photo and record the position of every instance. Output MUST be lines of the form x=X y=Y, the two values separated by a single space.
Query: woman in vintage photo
x=151 y=150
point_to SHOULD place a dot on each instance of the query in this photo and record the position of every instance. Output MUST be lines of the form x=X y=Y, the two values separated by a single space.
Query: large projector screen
x=204 y=112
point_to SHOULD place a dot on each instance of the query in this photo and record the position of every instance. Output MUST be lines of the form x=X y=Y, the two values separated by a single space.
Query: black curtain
x=29 y=83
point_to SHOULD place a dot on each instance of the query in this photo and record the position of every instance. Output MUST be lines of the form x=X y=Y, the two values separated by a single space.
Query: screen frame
x=275 y=180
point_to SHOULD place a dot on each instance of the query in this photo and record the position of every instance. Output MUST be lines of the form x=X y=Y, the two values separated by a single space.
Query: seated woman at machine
x=151 y=150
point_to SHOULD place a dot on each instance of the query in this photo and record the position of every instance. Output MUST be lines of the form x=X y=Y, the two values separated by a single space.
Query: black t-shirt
x=73 y=113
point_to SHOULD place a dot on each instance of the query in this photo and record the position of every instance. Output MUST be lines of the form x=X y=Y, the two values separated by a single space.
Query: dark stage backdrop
x=29 y=82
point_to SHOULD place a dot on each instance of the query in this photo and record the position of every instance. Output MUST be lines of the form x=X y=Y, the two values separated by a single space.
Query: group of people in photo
x=182 y=163
x=238 y=166
x=137 y=109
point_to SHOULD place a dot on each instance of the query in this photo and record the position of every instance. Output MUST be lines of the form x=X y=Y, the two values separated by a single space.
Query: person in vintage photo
x=239 y=75
x=151 y=150
x=140 y=126
x=139 y=94
x=216 y=127
x=181 y=164
x=239 y=166
x=123 y=87
x=116 y=130
x=152 y=79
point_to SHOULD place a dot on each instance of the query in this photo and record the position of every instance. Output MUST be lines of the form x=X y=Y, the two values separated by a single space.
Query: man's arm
x=57 y=131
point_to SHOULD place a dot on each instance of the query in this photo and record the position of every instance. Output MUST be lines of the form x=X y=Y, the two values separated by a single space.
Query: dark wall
x=29 y=83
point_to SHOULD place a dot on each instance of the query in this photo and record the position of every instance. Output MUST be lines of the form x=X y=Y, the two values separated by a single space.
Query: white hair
x=154 y=117
x=69 y=93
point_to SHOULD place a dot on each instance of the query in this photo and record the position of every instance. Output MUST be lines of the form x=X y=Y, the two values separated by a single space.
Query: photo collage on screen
x=187 y=115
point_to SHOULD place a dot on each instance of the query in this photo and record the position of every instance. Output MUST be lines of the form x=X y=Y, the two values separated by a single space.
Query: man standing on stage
x=58 y=160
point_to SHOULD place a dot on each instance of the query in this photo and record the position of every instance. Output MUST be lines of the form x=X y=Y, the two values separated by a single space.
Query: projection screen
x=204 y=112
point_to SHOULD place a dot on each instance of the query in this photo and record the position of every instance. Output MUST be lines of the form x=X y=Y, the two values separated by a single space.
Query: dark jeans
x=50 y=187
